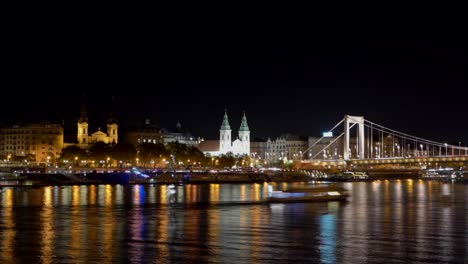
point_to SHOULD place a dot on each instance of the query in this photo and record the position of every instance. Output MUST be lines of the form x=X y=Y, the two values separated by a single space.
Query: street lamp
x=459 y=144
x=446 y=150
x=422 y=153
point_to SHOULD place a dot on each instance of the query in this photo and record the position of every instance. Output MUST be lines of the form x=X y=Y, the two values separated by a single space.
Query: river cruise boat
x=447 y=174
x=308 y=194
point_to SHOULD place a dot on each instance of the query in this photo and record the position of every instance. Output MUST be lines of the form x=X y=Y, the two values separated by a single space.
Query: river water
x=401 y=221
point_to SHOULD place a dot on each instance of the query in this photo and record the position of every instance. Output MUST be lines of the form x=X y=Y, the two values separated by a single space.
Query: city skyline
x=201 y=126
x=319 y=131
x=290 y=71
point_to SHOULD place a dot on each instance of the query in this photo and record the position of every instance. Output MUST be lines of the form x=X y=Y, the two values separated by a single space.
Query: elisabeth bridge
x=365 y=144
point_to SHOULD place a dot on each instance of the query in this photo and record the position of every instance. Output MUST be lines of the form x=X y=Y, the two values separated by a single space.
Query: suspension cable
x=320 y=139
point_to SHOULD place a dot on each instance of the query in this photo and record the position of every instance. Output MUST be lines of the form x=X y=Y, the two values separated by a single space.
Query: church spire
x=244 y=126
x=225 y=125
x=83 y=117
x=112 y=119
x=179 y=126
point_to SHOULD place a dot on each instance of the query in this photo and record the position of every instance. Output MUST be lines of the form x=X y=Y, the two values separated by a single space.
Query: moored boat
x=353 y=175
x=442 y=175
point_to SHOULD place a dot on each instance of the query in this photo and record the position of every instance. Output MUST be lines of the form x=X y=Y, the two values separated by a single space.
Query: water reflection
x=214 y=193
x=47 y=226
x=404 y=221
x=8 y=230
x=328 y=238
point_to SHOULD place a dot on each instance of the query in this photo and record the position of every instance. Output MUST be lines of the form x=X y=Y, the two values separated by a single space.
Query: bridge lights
x=377 y=151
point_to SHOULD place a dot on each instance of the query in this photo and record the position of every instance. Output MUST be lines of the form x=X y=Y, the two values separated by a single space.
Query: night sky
x=296 y=68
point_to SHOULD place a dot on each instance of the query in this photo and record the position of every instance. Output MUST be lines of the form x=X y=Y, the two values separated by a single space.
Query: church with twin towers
x=241 y=145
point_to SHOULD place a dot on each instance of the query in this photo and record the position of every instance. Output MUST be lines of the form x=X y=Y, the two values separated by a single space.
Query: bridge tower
x=359 y=120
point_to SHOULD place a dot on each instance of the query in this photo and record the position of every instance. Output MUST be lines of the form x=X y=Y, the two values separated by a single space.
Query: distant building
x=181 y=136
x=151 y=133
x=286 y=147
x=85 y=140
x=209 y=146
x=329 y=148
x=325 y=148
x=146 y=133
x=258 y=147
x=240 y=146
x=39 y=142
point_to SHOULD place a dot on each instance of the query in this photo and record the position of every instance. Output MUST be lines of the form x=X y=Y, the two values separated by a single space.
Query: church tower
x=244 y=135
x=225 y=135
x=83 y=128
x=112 y=127
x=112 y=131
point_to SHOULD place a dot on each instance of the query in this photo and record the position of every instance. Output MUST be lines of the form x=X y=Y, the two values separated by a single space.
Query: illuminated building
x=34 y=142
x=85 y=140
x=151 y=133
x=146 y=133
x=258 y=148
x=240 y=146
x=181 y=136
x=286 y=147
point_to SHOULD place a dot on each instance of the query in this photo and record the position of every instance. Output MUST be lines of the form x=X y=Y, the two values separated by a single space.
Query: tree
x=243 y=161
x=148 y=152
x=123 y=152
x=187 y=154
x=70 y=152
x=227 y=160
x=178 y=152
x=100 y=151
x=195 y=155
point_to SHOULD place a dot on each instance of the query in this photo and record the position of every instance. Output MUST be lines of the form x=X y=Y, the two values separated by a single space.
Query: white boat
x=354 y=175
x=442 y=174
x=308 y=194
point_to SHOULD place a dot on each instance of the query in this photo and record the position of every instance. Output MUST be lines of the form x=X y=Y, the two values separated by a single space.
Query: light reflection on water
x=402 y=221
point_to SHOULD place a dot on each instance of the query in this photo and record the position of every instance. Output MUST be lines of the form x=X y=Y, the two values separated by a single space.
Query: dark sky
x=293 y=68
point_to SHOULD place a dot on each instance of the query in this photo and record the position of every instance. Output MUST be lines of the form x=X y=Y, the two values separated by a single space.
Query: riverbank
x=60 y=179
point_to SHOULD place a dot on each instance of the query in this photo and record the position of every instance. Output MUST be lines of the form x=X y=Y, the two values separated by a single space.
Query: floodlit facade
x=239 y=146
x=34 y=142
x=286 y=147
x=85 y=140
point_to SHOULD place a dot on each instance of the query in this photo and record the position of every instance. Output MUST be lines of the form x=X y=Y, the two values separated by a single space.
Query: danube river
x=401 y=221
